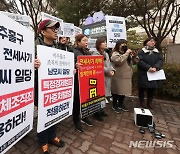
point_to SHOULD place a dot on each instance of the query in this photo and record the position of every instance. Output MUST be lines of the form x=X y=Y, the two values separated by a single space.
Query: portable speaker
x=142 y=117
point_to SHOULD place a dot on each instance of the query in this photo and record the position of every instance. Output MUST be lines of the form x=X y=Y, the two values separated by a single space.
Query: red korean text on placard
x=14 y=101
x=56 y=97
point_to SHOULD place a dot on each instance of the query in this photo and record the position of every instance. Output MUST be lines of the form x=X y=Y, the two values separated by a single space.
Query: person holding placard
x=80 y=49
x=109 y=71
x=150 y=60
x=48 y=30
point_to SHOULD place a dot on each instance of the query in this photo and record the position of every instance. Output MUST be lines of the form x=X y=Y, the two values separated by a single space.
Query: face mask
x=124 y=48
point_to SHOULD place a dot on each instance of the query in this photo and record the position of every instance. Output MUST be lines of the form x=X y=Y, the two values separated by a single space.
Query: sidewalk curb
x=157 y=100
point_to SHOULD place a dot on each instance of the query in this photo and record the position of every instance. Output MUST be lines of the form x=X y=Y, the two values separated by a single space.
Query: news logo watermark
x=151 y=144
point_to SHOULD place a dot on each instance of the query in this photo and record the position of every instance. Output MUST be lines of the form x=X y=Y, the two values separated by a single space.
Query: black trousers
x=47 y=135
x=118 y=100
x=149 y=91
x=76 y=105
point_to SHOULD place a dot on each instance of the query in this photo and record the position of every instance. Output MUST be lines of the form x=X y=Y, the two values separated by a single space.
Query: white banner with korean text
x=22 y=19
x=56 y=86
x=77 y=30
x=16 y=82
x=45 y=16
x=116 y=29
x=69 y=30
x=92 y=44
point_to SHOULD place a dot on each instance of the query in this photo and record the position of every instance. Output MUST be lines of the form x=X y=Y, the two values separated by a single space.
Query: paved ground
x=113 y=135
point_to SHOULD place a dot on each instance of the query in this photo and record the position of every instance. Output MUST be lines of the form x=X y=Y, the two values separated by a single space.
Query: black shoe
x=57 y=142
x=79 y=127
x=123 y=108
x=116 y=109
x=98 y=118
x=87 y=122
x=104 y=114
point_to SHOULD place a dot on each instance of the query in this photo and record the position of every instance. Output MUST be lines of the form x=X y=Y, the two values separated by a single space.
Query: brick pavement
x=113 y=135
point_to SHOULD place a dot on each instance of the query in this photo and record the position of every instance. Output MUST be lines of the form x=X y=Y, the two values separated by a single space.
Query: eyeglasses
x=53 y=28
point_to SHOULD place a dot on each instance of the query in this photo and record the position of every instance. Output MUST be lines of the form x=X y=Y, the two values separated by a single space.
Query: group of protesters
x=117 y=72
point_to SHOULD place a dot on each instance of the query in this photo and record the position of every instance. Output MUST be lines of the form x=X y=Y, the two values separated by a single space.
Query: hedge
x=169 y=88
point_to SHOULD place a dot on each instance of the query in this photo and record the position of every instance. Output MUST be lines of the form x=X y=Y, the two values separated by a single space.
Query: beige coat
x=121 y=82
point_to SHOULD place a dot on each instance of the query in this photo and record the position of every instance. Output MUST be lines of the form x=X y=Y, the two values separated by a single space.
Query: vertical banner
x=16 y=82
x=69 y=30
x=56 y=78
x=61 y=28
x=77 y=30
x=116 y=29
x=91 y=83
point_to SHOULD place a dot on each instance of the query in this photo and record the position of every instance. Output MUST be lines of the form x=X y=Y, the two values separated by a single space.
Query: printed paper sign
x=56 y=79
x=77 y=30
x=92 y=45
x=91 y=83
x=22 y=19
x=16 y=82
x=116 y=29
x=69 y=30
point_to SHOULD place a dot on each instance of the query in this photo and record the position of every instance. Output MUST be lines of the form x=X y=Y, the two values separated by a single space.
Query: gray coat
x=121 y=81
x=107 y=68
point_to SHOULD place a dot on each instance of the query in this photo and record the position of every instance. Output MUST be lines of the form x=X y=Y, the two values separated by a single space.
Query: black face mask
x=124 y=48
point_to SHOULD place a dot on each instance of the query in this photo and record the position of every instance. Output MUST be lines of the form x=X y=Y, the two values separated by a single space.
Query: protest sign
x=92 y=44
x=116 y=29
x=16 y=82
x=91 y=84
x=77 y=30
x=22 y=19
x=69 y=30
x=56 y=78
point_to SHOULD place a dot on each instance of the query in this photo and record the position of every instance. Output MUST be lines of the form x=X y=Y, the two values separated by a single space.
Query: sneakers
x=116 y=109
x=106 y=100
x=79 y=127
x=109 y=99
x=44 y=149
x=87 y=122
x=123 y=108
x=57 y=142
